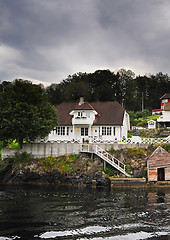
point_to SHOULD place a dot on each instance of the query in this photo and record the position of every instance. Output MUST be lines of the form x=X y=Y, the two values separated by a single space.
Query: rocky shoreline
x=8 y=176
x=52 y=177
x=76 y=170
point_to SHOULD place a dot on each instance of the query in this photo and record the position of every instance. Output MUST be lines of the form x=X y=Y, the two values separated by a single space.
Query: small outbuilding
x=158 y=165
x=151 y=124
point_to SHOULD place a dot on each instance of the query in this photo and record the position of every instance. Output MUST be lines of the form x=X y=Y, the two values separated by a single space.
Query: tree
x=55 y=93
x=75 y=90
x=25 y=112
x=127 y=87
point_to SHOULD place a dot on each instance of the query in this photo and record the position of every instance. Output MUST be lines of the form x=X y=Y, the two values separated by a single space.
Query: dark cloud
x=48 y=40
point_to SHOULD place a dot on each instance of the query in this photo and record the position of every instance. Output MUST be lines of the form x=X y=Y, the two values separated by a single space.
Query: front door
x=161 y=174
x=84 y=133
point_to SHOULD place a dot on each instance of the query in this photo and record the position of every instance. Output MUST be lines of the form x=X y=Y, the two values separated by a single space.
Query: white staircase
x=114 y=162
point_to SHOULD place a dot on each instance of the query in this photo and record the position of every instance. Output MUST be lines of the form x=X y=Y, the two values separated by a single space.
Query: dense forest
x=103 y=85
x=133 y=92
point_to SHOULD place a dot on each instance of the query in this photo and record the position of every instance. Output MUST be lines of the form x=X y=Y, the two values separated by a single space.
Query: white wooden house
x=164 y=119
x=91 y=121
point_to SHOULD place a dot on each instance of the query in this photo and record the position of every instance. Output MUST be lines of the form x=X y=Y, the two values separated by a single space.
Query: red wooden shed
x=158 y=165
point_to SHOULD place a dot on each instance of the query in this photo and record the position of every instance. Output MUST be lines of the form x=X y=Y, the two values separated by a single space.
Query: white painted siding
x=83 y=129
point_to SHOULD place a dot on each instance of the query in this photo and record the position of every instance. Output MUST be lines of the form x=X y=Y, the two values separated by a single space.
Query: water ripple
x=87 y=230
x=135 y=236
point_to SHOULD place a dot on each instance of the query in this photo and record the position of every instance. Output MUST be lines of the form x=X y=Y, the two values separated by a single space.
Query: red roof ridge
x=94 y=109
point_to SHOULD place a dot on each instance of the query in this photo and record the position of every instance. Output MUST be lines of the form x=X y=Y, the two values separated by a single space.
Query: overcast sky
x=47 y=40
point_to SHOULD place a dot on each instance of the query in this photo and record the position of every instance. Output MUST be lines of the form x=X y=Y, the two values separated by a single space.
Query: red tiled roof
x=165 y=96
x=109 y=113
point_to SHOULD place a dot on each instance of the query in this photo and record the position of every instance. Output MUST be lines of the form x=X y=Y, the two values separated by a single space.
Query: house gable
x=159 y=165
x=159 y=158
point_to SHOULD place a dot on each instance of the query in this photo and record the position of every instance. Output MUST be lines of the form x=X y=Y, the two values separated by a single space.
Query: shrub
x=22 y=158
x=64 y=163
x=110 y=172
x=136 y=152
x=112 y=151
x=14 y=144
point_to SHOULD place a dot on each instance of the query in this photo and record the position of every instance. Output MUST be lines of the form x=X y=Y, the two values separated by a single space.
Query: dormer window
x=81 y=115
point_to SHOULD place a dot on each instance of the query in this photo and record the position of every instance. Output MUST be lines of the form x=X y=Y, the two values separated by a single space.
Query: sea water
x=62 y=212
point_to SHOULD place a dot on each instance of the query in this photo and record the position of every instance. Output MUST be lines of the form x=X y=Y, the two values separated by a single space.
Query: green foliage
x=103 y=85
x=136 y=152
x=110 y=172
x=128 y=168
x=1 y=146
x=63 y=163
x=166 y=146
x=12 y=144
x=144 y=122
x=25 y=112
x=17 y=159
x=140 y=118
x=22 y=158
x=150 y=133
x=129 y=135
x=112 y=151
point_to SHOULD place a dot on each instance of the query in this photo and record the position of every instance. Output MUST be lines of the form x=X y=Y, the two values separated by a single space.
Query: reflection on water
x=55 y=212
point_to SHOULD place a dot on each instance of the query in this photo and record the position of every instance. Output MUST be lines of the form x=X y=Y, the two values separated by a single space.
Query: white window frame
x=84 y=131
x=106 y=131
x=60 y=131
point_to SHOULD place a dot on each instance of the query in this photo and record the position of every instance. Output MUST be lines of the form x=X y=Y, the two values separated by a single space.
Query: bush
x=110 y=172
x=112 y=151
x=22 y=158
x=136 y=152
x=64 y=163
x=14 y=144
x=141 y=118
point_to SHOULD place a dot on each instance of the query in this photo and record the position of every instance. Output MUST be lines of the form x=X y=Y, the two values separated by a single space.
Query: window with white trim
x=84 y=131
x=114 y=131
x=106 y=131
x=60 y=130
x=109 y=131
x=103 y=130
x=67 y=131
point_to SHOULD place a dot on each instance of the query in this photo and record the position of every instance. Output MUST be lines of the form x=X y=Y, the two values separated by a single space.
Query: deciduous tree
x=25 y=112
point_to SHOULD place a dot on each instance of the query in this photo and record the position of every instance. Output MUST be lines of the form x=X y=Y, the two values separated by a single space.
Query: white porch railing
x=114 y=162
